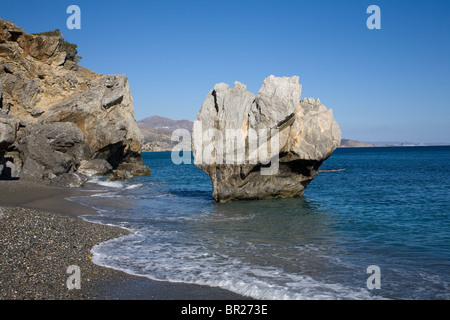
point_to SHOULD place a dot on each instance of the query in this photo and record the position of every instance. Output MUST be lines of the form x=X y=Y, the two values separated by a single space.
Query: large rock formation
x=56 y=115
x=51 y=151
x=266 y=146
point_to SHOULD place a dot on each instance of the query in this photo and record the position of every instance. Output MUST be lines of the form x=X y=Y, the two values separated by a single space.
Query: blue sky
x=391 y=84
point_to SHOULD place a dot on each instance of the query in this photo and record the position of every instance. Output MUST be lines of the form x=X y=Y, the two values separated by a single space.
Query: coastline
x=42 y=235
x=346 y=147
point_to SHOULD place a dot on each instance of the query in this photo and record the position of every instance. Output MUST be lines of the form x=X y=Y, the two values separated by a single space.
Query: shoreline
x=43 y=234
x=350 y=147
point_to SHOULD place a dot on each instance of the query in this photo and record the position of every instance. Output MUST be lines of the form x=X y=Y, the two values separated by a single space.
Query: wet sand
x=42 y=235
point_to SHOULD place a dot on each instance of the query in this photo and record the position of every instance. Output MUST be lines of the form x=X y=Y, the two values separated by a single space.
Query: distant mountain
x=346 y=143
x=399 y=144
x=157 y=132
x=358 y=144
x=161 y=123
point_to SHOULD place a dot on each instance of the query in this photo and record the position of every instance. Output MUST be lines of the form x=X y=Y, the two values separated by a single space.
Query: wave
x=134 y=186
x=105 y=183
x=106 y=195
x=195 y=265
x=115 y=184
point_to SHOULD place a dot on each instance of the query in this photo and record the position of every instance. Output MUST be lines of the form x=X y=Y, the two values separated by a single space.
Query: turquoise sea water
x=388 y=207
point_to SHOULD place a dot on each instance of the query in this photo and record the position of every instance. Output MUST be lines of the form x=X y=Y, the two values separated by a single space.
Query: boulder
x=96 y=167
x=50 y=151
x=70 y=180
x=120 y=175
x=135 y=169
x=105 y=114
x=266 y=146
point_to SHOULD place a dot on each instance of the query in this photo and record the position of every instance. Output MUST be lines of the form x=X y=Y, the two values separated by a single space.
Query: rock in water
x=120 y=175
x=97 y=167
x=266 y=146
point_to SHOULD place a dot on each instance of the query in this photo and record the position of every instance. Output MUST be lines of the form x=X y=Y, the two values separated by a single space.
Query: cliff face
x=54 y=114
x=266 y=146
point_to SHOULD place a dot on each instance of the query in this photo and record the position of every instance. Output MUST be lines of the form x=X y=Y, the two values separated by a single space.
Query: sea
x=374 y=224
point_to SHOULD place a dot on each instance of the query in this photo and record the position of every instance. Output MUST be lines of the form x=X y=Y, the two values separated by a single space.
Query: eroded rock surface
x=266 y=146
x=52 y=111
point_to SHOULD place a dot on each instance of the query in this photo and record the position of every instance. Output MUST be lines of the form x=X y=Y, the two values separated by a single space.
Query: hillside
x=157 y=122
x=157 y=132
x=346 y=143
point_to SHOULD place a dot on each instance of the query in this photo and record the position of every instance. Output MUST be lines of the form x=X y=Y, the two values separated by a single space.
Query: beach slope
x=42 y=235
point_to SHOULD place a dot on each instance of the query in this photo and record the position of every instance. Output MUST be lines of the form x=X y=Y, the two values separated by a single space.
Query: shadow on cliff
x=6 y=172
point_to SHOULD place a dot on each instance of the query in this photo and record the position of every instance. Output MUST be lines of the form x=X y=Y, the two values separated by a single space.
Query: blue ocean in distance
x=388 y=207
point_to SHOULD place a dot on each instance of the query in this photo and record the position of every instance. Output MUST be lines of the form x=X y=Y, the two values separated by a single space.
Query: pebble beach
x=37 y=247
x=42 y=235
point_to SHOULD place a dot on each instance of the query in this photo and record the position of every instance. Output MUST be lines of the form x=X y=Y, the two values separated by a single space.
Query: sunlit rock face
x=266 y=146
x=41 y=86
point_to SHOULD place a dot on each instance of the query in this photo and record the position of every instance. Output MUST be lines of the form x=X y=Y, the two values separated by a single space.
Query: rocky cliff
x=60 y=122
x=266 y=146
